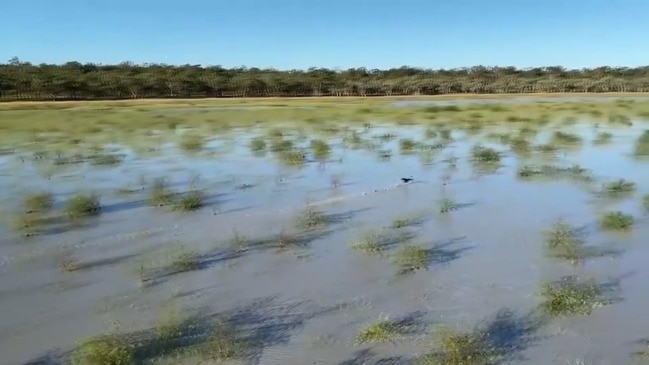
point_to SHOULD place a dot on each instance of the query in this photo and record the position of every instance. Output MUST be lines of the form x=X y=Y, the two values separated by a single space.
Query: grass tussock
x=293 y=158
x=376 y=242
x=202 y=339
x=257 y=144
x=460 y=348
x=407 y=145
x=82 y=206
x=311 y=217
x=190 y=201
x=574 y=172
x=617 y=188
x=565 y=138
x=320 y=149
x=411 y=258
x=39 y=202
x=448 y=205
x=569 y=297
x=616 y=221
x=485 y=154
x=106 y=159
x=385 y=330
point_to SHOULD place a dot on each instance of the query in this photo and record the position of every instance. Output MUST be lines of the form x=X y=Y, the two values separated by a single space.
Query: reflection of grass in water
x=159 y=193
x=411 y=258
x=38 y=202
x=616 y=221
x=384 y=330
x=570 y=298
x=642 y=144
x=603 y=138
x=82 y=205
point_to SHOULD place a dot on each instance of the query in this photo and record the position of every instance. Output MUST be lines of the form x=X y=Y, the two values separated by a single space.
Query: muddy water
x=310 y=303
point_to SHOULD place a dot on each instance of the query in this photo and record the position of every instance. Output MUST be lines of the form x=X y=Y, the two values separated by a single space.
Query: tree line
x=76 y=81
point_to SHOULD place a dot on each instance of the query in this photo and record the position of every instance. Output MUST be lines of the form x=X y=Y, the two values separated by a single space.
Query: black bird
x=406 y=179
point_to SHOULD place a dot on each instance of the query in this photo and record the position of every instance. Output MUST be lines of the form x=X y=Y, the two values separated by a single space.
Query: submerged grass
x=617 y=188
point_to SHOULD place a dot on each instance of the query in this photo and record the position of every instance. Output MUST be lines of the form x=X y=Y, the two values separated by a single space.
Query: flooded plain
x=283 y=243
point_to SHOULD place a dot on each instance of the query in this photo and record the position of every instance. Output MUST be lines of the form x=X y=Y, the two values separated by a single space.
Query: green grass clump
x=457 y=348
x=618 y=187
x=281 y=145
x=406 y=221
x=104 y=350
x=407 y=145
x=38 y=202
x=184 y=261
x=645 y=202
x=570 y=298
x=293 y=158
x=560 y=137
x=484 y=154
x=83 y=205
x=370 y=242
x=411 y=258
x=320 y=149
x=104 y=159
x=447 y=205
x=192 y=200
x=616 y=221
x=257 y=144
x=310 y=217
x=384 y=330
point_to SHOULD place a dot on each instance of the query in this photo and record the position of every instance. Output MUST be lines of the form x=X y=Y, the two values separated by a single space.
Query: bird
x=406 y=179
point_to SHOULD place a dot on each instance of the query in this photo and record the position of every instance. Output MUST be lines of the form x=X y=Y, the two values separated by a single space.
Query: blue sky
x=288 y=34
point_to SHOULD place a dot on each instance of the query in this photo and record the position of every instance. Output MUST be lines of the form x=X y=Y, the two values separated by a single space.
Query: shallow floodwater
x=308 y=304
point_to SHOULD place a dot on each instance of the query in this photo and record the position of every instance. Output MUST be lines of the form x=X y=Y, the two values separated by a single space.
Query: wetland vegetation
x=271 y=224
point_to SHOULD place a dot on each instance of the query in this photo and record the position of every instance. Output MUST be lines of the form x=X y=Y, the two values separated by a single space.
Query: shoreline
x=323 y=99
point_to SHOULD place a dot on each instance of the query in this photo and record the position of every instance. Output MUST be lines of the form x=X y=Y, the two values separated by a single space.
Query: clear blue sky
x=287 y=34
